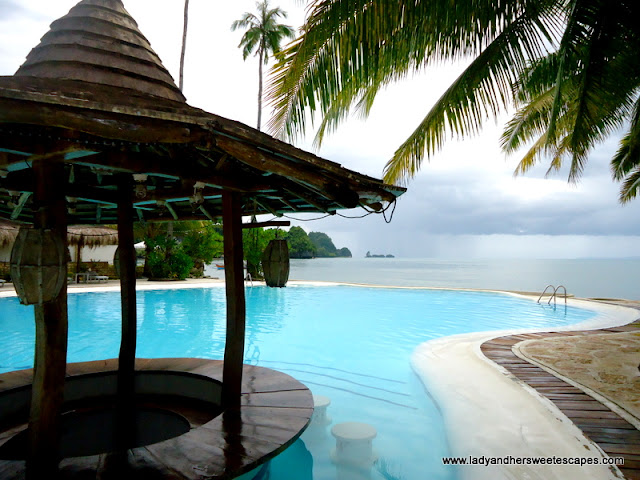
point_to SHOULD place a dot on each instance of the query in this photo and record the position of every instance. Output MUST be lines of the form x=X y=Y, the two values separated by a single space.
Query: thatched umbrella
x=79 y=236
x=86 y=236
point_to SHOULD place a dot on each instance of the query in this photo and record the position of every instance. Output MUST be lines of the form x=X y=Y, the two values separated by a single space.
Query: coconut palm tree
x=184 y=43
x=264 y=35
x=566 y=54
x=576 y=97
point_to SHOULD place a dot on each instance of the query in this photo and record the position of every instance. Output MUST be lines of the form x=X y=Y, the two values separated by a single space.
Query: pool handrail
x=553 y=294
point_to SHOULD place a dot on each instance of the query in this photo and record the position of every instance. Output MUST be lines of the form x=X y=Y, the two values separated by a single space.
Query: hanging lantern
x=275 y=263
x=38 y=265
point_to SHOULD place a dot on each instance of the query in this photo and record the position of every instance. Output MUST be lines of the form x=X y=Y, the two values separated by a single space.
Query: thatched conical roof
x=99 y=42
x=94 y=95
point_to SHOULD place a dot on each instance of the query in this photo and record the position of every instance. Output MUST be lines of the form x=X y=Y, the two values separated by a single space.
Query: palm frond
x=481 y=91
x=631 y=186
x=531 y=157
x=625 y=165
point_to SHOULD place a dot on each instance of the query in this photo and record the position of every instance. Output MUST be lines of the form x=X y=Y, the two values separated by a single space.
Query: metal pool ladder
x=554 y=294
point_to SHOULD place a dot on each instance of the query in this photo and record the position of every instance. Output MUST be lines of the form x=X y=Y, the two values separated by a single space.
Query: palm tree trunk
x=260 y=87
x=184 y=43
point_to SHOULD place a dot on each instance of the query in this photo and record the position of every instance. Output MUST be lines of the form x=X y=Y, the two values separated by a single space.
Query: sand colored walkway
x=606 y=364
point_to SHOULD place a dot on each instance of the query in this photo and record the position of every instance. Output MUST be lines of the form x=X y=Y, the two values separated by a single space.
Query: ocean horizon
x=584 y=277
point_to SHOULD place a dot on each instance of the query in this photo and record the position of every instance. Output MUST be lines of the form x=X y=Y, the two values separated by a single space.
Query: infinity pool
x=351 y=344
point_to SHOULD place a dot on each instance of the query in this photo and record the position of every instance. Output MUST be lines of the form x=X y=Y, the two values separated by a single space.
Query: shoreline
x=145 y=284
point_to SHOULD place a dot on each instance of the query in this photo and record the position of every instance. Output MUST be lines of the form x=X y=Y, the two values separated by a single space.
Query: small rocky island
x=375 y=255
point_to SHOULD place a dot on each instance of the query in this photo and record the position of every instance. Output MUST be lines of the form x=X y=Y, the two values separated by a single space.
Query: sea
x=589 y=278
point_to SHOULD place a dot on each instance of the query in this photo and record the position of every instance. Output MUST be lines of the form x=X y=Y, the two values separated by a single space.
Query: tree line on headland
x=312 y=245
x=301 y=245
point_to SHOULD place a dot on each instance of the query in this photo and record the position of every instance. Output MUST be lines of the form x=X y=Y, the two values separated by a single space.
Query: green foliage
x=167 y=259
x=203 y=242
x=325 y=247
x=351 y=49
x=264 y=34
x=570 y=66
x=300 y=246
x=254 y=241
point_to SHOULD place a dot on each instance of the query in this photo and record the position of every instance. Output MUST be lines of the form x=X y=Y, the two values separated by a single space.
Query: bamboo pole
x=51 y=333
x=234 y=346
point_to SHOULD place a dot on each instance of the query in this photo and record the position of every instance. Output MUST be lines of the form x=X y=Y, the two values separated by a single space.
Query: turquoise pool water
x=351 y=344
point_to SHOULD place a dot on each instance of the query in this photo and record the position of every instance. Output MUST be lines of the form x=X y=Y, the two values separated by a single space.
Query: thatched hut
x=79 y=239
x=8 y=234
x=94 y=131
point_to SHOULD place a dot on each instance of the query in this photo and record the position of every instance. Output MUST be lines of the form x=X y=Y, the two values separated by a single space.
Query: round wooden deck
x=275 y=409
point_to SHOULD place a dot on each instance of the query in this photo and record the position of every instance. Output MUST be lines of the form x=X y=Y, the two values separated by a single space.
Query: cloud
x=464 y=201
x=10 y=9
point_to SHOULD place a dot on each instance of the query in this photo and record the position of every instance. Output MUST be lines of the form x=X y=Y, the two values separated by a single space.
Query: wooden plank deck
x=612 y=433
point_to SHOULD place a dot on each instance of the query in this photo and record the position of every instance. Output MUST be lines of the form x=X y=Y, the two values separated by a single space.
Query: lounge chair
x=2 y=282
x=98 y=278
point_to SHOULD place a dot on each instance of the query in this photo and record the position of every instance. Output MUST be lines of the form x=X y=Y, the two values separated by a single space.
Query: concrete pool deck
x=488 y=412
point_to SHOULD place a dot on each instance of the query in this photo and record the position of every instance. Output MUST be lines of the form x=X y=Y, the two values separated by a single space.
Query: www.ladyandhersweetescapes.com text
x=511 y=460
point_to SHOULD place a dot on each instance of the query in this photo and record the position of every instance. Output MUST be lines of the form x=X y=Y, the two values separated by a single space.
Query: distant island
x=375 y=255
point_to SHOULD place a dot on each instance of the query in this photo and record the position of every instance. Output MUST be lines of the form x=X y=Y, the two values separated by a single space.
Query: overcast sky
x=465 y=202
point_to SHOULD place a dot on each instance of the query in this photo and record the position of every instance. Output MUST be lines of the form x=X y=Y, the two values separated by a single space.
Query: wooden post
x=234 y=278
x=79 y=246
x=127 y=356
x=51 y=332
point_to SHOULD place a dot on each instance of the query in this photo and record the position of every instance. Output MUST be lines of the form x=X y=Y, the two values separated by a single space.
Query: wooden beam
x=236 y=131
x=206 y=213
x=234 y=278
x=25 y=150
x=135 y=127
x=186 y=170
x=127 y=355
x=315 y=178
x=267 y=208
x=273 y=223
x=310 y=201
x=21 y=203
x=171 y=210
x=51 y=334
x=287 y=203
